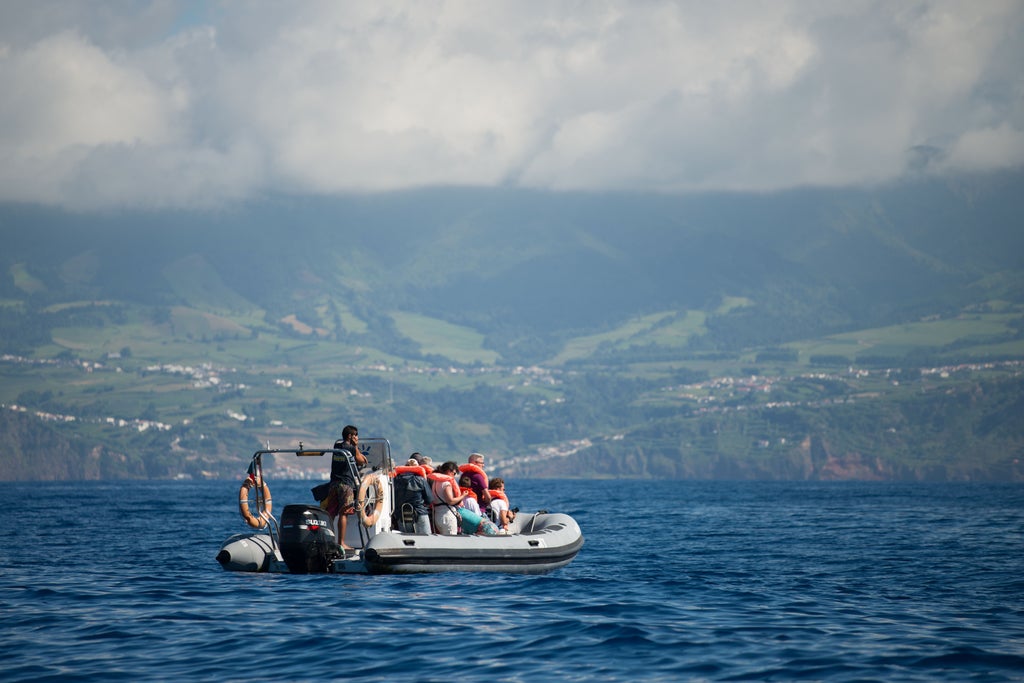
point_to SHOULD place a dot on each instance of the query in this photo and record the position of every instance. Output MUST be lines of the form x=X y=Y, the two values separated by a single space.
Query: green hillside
x=813 y=334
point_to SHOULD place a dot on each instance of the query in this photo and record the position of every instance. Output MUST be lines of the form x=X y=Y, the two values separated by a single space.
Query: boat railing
x=376 y=450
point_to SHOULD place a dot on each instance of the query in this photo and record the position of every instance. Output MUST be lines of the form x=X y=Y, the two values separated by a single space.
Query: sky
x=184 y=104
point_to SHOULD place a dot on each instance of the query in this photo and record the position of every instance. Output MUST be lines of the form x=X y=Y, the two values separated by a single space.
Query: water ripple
x=694 y=581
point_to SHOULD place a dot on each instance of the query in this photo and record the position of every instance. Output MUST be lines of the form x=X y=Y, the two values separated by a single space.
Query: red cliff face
x=853 y=466
x=824 y=465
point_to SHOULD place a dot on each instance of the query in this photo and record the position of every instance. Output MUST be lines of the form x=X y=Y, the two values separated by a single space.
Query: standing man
x=345 y=464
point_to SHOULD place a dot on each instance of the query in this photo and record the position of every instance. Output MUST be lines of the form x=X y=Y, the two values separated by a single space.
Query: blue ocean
x=678 y=581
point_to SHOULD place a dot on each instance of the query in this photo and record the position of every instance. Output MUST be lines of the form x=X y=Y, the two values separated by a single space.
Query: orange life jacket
x=437 y=477
x=472 y=467
x=403 y=469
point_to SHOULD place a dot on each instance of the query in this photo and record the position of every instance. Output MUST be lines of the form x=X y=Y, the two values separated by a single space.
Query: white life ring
x=259 y=521
x=378 y=500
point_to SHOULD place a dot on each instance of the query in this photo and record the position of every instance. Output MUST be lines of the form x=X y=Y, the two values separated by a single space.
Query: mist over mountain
x=518 y=265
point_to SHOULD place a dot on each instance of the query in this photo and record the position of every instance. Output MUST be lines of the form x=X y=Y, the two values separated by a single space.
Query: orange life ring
x=259 y=521
x=378 y=504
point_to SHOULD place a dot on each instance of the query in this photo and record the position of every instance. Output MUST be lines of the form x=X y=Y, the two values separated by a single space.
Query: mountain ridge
x=462 y=319
x=570 y=261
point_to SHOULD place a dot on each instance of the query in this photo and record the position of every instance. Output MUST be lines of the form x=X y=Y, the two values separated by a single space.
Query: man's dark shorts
x=341 y=498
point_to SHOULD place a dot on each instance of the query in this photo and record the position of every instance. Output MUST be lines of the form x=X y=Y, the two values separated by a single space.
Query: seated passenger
x=473 y=523
x=470 y=502
x=425 y=462
x=474 y=467
x=501 y=513
x=447 y=498
x=411 y=489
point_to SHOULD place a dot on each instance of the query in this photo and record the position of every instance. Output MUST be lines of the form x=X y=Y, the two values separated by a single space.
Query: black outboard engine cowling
x=308 y=543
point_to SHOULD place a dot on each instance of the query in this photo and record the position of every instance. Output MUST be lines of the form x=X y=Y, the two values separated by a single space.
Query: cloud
x=185 y=103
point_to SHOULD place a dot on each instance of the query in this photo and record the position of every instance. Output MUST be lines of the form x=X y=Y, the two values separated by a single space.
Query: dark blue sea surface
x=677 y=581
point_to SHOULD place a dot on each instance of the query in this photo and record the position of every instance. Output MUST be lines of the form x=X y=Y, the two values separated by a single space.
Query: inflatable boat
x=305 y=539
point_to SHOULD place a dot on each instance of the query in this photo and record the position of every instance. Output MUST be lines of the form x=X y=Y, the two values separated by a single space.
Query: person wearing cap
x=411 y=489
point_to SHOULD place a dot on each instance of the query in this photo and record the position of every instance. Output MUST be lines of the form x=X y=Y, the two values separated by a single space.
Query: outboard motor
x=308 y=543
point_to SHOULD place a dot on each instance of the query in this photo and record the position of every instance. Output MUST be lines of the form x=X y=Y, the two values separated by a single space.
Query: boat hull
x=306 y=540
x=250 y=552
x=551 y=542
x=539 y=544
